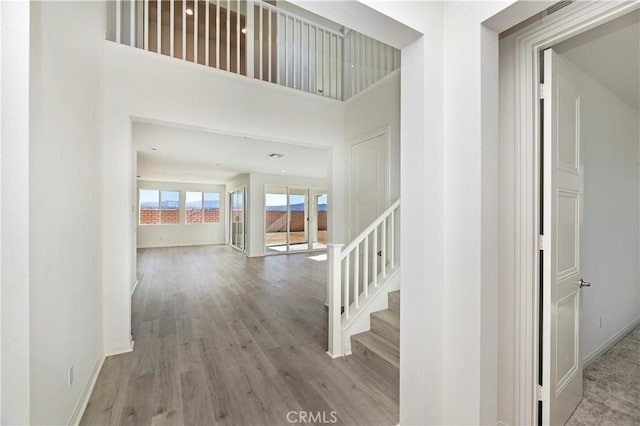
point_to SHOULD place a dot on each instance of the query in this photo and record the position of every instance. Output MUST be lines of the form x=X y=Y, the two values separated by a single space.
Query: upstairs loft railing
x=255 y=39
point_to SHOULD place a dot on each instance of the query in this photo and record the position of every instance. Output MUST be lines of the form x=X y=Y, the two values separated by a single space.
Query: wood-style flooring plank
x=221 y=338
x=196 y=405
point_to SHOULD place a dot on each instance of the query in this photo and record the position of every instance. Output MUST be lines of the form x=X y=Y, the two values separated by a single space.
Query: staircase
x=361 y=277
x=379 y=348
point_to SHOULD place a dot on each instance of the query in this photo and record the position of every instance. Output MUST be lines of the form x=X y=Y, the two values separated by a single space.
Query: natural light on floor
x=319 y=258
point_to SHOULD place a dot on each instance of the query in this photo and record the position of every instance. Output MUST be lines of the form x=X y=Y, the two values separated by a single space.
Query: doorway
x=590 y=190
x=295 y=219
x=549 y=198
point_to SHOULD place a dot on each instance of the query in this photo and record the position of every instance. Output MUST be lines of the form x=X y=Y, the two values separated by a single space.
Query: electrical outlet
x=599 y=322
x=70 y=376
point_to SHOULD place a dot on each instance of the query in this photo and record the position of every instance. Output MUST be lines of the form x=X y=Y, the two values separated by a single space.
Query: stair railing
x=349 y=280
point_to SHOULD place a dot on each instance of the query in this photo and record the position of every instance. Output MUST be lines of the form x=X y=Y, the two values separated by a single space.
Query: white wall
x=154 y=87
x=65 y=204
x=611 y=217
x=171 y=235
x=258 y=181
x=14 y=222
x=238 y=182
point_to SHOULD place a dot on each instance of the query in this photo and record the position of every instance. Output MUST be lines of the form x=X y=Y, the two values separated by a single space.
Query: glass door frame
x=242 y=191
x=309 y=194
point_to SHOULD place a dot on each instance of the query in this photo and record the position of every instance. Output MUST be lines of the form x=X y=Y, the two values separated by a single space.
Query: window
x=158 y=206
x=149 y=206
x=193 y=207
x=202 y=207
x=169 y=207
x=211 y=207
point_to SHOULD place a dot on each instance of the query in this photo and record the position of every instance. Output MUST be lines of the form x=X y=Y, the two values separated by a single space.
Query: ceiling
x=197 y=156
x=610 y=53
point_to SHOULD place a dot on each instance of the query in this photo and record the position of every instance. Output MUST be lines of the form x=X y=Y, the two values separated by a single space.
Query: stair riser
x=387 y=371
x=394 y=302
x=385 y=330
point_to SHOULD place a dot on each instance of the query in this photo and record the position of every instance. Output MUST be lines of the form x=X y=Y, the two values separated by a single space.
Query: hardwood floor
x=224 y=339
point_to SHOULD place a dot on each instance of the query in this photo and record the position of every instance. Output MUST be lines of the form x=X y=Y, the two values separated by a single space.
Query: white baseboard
x=122 y=348
x=81 y=406
x=611 y=342
x=169 y=245
x=78 y=412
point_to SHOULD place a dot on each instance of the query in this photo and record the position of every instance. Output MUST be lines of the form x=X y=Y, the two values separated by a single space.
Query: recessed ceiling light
x=276 y=155
x=189 y=11
x=283 y=171
x=153 y=148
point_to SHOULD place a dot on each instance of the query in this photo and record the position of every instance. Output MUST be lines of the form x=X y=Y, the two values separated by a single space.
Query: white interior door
x=368 y=182
x=562 y=219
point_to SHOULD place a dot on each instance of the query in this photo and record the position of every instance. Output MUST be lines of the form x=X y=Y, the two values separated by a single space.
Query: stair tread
x=380 y=346
x=388 y=316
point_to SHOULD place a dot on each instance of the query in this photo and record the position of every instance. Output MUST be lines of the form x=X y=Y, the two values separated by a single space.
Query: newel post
x=334 y=287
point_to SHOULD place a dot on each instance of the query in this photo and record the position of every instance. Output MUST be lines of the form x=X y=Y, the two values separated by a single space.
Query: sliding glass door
x=276 y=236
x=298 y=220
x=295 y=219
x=238 y=219
x=318 y=227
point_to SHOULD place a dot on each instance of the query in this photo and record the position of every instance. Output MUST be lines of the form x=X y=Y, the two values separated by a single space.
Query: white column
x=334 y=257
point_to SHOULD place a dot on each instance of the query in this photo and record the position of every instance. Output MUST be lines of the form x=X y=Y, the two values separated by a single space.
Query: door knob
x=584 y=283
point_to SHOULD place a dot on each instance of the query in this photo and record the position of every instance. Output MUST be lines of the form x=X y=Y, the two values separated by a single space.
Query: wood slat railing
x=255 y=39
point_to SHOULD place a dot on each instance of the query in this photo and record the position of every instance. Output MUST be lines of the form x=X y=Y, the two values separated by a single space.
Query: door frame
x=310 y=190
x=380 y=131
x=528 y=45
x=244 y=218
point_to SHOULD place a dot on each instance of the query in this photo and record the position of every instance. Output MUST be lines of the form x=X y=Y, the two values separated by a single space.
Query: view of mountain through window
x=202 y=207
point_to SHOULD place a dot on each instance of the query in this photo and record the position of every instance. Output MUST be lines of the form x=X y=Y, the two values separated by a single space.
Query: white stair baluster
x=365 y=268
x=374 y=255
x=383 y=247
x=356 y=276
x=346 y=300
